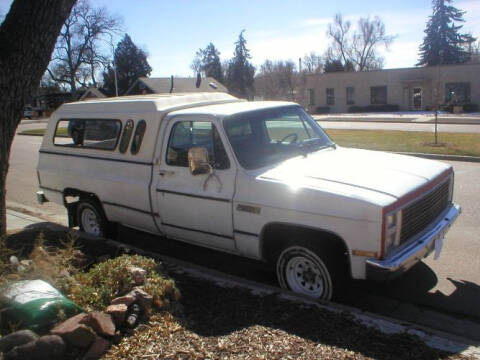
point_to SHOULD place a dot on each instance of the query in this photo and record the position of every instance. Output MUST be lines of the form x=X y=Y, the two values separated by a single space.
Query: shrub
x=322 y=110
x=373 y=108
x=467 y=108
x=95 y=289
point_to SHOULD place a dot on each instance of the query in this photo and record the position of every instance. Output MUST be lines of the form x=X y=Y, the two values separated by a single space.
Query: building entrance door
x=417 y=98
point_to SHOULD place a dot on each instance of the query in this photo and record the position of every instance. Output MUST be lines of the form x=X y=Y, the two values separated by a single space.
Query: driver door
x=196 y=208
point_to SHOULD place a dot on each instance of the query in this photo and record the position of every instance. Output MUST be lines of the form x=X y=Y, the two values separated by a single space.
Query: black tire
x=319 y=272
x=91 y=218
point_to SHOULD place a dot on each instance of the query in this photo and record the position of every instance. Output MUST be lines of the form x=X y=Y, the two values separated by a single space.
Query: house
x=406 y=89
x=92 y=93
x=145 y=85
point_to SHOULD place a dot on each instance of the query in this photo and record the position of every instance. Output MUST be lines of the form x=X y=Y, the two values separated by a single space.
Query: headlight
x=391 y=232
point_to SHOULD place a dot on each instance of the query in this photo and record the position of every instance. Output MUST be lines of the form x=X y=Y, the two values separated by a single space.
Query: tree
x=276 y=80
x=77 y=56
x=312 y=63
x=240 y=71
x=443 y=43
x=130 y=63
x=358 y=49
x=27 y=39
x=207 y=61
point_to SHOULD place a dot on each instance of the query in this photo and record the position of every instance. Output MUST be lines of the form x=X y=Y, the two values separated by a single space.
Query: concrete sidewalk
x=17 y=220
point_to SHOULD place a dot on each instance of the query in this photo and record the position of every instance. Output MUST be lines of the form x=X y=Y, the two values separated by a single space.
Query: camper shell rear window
x=102 y=134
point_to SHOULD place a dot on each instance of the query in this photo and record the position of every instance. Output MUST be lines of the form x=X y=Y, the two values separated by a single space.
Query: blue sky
x=171 y=31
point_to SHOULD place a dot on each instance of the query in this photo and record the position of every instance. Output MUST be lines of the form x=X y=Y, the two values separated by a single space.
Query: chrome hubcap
x=90 y=222
x=305 y=277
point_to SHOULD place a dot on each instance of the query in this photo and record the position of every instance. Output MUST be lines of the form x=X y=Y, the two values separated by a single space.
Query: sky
x=172 y=31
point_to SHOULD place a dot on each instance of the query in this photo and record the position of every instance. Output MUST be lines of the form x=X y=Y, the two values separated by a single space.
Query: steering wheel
x=292 y=135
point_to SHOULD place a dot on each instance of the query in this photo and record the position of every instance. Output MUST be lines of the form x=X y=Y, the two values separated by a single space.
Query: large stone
x=144 y=299
x=138 y=274
x=75 y=332
x=126 y=300
x=16 y=338
x=50 y=347
x=118 y=313
x=99 y=347
x=101 y=322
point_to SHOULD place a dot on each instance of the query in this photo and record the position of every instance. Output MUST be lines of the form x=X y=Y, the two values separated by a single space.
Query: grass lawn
x=403 y=141
x=408 y=141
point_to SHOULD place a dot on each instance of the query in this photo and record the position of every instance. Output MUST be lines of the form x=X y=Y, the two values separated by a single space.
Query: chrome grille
x=418 y=215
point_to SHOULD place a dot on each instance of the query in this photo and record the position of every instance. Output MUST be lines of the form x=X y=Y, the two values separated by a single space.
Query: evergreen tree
x=443 y=43
x=240 y=71
x=211 y=65
x=130 y=63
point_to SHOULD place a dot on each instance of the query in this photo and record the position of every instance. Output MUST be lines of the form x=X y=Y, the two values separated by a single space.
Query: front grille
x=418 y=215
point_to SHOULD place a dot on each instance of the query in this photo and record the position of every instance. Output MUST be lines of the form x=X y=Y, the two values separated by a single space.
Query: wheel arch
x=73 y=205
x=277 y=235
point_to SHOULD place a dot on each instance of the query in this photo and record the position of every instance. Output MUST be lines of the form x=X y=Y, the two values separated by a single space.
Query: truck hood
x=357 y=171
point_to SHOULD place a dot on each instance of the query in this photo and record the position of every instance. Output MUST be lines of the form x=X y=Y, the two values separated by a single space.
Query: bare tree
x=312 y=63
x=276 y=80
x=360 y=47
x=27 y=37
x=77 y=55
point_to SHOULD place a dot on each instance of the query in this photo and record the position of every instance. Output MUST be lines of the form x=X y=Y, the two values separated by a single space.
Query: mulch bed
x=232 y=323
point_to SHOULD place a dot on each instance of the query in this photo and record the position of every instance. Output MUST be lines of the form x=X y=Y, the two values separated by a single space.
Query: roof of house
x=180 y=85
x=91 y=93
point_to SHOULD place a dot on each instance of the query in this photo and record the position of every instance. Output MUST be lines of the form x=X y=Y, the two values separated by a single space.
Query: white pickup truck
x=257 y=179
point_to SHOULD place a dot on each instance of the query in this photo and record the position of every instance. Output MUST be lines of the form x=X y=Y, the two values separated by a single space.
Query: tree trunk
x=27 y=38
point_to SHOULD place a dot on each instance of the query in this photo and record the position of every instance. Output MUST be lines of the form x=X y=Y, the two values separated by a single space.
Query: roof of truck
x=226 y=109
x=146 y=103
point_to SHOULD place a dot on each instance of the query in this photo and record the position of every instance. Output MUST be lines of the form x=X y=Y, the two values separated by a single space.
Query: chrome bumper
x=399 y=263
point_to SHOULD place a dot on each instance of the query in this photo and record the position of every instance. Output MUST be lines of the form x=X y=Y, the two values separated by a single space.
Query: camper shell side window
x=101 y=134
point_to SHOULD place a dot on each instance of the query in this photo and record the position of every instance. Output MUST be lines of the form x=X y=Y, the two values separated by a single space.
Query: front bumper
x=399 y=263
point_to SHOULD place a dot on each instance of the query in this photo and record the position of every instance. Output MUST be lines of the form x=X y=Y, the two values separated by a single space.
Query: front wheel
x=91 y=219
x=309 y=272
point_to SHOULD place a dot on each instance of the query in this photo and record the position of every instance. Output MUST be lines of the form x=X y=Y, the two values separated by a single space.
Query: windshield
x=268 y=136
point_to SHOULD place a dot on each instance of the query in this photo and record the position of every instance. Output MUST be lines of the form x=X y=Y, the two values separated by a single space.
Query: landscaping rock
x=144 y=299
x=118 y=313
x=99 y=347
x=133 y=315
x=101 y=322
x=14 y=261
x=138 y=274
x=16 y=338
x=126 y=300
x=50 y=347
x=75 y=332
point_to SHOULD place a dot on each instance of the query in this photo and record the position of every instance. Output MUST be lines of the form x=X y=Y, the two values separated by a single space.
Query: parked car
x=257 y=179
x=27 y=112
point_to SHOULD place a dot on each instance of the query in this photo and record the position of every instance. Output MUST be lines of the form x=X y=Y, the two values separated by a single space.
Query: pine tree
x=443 y=43
x=240 y=71
x=130 y=63
x=211 y=63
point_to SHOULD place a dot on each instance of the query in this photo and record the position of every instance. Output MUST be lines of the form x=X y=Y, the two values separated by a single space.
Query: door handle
x=166 y=172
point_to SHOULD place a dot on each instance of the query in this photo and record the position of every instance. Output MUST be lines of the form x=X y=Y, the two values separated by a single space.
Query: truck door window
x=100 y=134
x=188 y=134
x=127 y=134
x=138 y=137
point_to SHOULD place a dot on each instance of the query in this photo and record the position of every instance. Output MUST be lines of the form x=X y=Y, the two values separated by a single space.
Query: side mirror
x=198 y=161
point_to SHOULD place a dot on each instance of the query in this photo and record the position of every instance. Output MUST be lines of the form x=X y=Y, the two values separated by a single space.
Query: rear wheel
x=318 y=273
x=91 y=219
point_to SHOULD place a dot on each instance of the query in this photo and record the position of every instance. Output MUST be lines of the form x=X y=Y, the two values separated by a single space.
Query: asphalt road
x=450 y=284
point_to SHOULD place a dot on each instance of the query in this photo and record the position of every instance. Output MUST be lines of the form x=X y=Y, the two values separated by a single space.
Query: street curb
x=442 y=156
x=434 y=338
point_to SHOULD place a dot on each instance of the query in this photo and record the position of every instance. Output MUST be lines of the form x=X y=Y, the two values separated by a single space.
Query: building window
x=350 y=95
x=378 y=95
x=311 y=96
x=457 y=93
x=330 y=96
